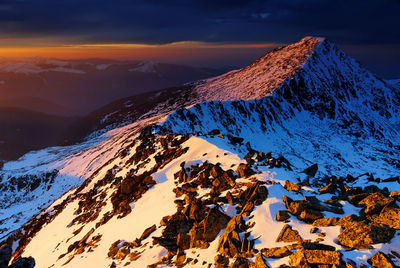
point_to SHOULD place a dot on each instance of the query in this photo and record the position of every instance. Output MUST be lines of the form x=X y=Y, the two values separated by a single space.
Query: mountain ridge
x=229 y=167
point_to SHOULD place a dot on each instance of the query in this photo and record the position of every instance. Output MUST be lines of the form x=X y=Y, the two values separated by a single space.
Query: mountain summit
x=292 y=160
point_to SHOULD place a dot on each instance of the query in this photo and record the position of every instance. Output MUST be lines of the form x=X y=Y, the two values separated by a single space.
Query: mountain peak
x=262 y=77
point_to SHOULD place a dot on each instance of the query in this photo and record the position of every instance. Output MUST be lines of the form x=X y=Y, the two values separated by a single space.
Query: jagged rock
x=348 y=220
x=23 y=263
x=5 y=255
x=381 y=260
x=230 y=242
x=183 y=241
x=389 y=216
x=324 y=222
x=221 y=261
x=279 y=252
x=288 y=234
x=260 y=262
x=360 y=235
x=395 y=195
x=180 y=259
x=208 y=229
x=311 y=170
x=240 y=262
x=330 y=188
x=147 y=232
x=375 y=202
x=290 y=186
x=355 y=199
x=216 y=171
x=244 y=170
x=305 y=258
x=177 y=223
x=282 y=215
x=294 y=207
x=310 y=215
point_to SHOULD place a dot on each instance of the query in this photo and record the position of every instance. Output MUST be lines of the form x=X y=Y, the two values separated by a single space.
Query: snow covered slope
x=214 y=173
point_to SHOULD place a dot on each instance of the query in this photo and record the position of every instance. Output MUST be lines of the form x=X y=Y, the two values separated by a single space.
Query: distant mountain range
x=58 y=95
x=77 y=87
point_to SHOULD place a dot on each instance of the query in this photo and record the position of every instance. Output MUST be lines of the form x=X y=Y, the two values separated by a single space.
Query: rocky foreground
x=217 y=212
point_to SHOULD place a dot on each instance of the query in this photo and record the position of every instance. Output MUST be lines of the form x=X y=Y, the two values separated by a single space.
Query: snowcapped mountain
x=292 y=160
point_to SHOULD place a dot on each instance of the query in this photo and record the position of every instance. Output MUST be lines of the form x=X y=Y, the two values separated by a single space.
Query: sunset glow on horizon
x=126 y=51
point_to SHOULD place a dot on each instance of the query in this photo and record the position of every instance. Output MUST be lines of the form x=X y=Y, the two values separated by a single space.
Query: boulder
x=329 y=188
x=355 y=199
x=282 y=215
x=290 y=186
x=260 y=262
x=381 y=260
x=307 y=258
x=147 y=232
x=324 y=222
x=208 y=229
x=230 y=242
x=310 y=215
x=395 y=195
x=221 y=261
x=294 y=207
x=183 y=241
x=375 y=202
x=240 y=262
x=278 y=252
x=360 y=235
x=288 y=234
x=389 y=216
x=244 y=170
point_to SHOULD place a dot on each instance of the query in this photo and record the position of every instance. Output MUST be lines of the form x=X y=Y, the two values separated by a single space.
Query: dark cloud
x=160 y=21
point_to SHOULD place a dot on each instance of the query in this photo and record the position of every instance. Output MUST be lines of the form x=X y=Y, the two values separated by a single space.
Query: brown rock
x=183 y=241
x=324 y=222
x=381 y=260
x=330 y=188
x=244 y=170
x=288 y=234
x=310 y=215
x=355 y=199
x=221 y=261
x=260 y=262
x=395 y=195
x=282 y=215
x=375 y=202
x=360 y=235
x=147 y=232
x=279 y=252
x=240 y=262
x=290 y=186
x=304 y=258
x=230 y=242
x=389 y=216
x=294 y=207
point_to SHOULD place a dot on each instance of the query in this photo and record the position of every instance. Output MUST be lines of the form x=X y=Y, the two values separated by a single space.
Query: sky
x=208 y=33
